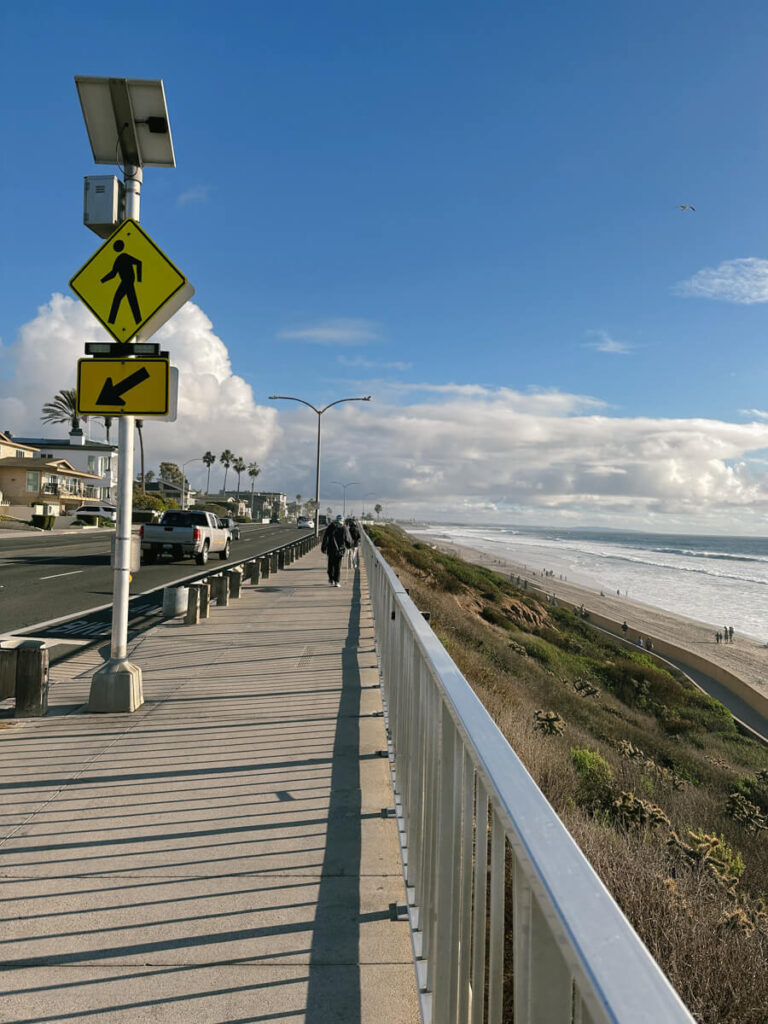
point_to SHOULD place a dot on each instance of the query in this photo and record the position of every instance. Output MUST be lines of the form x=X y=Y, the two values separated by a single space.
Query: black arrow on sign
x=112 y=394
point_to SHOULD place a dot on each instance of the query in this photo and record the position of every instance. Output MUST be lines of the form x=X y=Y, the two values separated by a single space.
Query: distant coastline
x=746 y=658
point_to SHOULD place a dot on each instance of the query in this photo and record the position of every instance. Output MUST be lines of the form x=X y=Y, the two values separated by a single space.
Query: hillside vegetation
x=665 y=797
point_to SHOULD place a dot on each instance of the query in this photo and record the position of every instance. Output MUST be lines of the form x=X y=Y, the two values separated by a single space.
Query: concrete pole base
x=117 y=686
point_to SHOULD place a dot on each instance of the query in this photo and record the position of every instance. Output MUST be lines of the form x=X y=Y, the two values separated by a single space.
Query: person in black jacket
x=354 y=532
x=336 y=540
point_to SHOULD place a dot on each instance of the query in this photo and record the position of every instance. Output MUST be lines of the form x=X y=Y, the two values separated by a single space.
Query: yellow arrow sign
x=130 y=285
x=122 y=387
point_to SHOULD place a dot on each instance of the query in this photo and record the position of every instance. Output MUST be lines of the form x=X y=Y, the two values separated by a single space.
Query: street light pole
x=352 y=483
x=291 y=398
x=184 y=479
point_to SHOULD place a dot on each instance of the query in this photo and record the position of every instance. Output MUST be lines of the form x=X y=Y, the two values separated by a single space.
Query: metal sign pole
x=117 y=686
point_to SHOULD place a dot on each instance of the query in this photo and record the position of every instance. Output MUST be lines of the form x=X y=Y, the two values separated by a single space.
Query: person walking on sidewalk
x=354 y=532
x=336 y=540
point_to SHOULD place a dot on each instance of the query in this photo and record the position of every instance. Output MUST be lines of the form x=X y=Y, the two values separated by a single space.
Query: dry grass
x=667 y=746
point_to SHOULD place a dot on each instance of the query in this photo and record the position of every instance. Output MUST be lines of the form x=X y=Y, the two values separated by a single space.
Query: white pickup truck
x=185 y=535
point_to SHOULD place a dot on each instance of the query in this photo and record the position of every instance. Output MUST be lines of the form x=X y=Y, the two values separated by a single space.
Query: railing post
x=192 y=616
x=265 y=568
x=31 y=681
x=221 y=583
x=281 y=559
x=205 y=598
x=234 y=578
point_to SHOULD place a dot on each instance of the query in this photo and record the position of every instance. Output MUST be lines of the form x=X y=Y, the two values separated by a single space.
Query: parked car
x=232 y=526
x=275 y=518
x=304 y=523
x=103 y=511
x=185 y=534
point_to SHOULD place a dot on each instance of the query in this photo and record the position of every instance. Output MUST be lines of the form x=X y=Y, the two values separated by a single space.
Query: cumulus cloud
x=216 y=407
x=744 y=281
x=533 y=457
x=435 y=451
x=601 y=341
x=758 y=414
x=341 y=331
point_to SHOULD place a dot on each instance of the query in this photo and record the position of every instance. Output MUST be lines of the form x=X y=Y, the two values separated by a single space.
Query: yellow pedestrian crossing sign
x=122 y=387
x=130 y=285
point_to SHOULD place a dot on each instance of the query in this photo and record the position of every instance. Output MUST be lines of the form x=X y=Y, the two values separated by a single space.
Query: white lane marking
x=56 y=576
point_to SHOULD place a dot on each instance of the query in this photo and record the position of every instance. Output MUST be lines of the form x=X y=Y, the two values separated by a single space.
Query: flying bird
x=693 y=208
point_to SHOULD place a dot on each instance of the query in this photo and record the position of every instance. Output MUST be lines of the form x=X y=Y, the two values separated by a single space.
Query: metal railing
x=474 y=827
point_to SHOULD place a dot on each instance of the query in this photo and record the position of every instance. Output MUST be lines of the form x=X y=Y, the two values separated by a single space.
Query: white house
x=96 y=457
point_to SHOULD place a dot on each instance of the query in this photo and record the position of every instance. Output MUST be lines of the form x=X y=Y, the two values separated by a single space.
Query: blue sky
x=470 y=212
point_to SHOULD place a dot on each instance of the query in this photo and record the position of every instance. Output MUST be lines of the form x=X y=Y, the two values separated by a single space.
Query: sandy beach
x=744 y=658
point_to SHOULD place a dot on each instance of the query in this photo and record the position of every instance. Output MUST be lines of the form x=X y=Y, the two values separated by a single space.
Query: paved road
x=46 y=577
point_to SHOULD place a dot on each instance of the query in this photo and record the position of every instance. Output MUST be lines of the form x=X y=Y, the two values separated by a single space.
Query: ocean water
x=718 y=580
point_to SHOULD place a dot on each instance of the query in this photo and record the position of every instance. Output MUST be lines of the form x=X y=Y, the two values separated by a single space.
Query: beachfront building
x=89 y=458
x=29 y=481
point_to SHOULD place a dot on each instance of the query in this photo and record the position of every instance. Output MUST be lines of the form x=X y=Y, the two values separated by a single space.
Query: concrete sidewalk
x=220 y=855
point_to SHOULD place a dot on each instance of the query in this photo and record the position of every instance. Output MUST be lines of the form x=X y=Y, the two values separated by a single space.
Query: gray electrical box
x=103 y=204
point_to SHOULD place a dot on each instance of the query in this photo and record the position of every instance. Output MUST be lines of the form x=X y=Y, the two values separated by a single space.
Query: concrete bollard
x=32 y=662
x=255 y=571
x=204 y=589
x=174 y=601
x=220 y=586
x=281 y=559
x=247 y=567
x=193 y=606
x=234 y=579
x=273 y=562
x=265 y=568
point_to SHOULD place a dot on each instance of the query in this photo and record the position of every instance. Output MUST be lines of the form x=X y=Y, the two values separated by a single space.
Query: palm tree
x=298 y=504
x=226 y=459
x=208 y=459
x=140 y=427
x=63 y=409
x=378 y=509
x=107 y=425
x=239 y=467
x=253 y=471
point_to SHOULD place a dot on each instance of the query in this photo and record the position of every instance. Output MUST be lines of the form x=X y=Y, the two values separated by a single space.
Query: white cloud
x=603 y=342
x=439 y=451
x=216 y=407
x=755 y=413
x=196 y=194
x=744 y=281
x=341 y=331
x=532 y=457
x=367 y=364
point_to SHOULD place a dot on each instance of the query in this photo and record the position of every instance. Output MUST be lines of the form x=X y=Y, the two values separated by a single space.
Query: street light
x=353 y=483
x=184 y=479
x=290 y=398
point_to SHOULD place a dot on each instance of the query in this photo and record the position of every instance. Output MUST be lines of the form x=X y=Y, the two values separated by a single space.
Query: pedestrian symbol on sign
x=126 y=289
x=130 y=285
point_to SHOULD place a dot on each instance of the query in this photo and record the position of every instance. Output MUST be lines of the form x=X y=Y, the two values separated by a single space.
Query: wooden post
x=31 y=682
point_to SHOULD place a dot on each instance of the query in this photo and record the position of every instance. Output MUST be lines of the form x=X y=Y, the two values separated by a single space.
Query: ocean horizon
x=716 y=579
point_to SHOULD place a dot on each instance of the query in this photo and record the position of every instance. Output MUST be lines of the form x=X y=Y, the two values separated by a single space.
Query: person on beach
x=336 y=540
x=624 y=628
x=730 y=634
x=717 y=638
x=725 y=635
x=354 y=532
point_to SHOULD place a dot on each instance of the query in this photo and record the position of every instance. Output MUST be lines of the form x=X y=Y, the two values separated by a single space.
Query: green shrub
x=595 y=778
